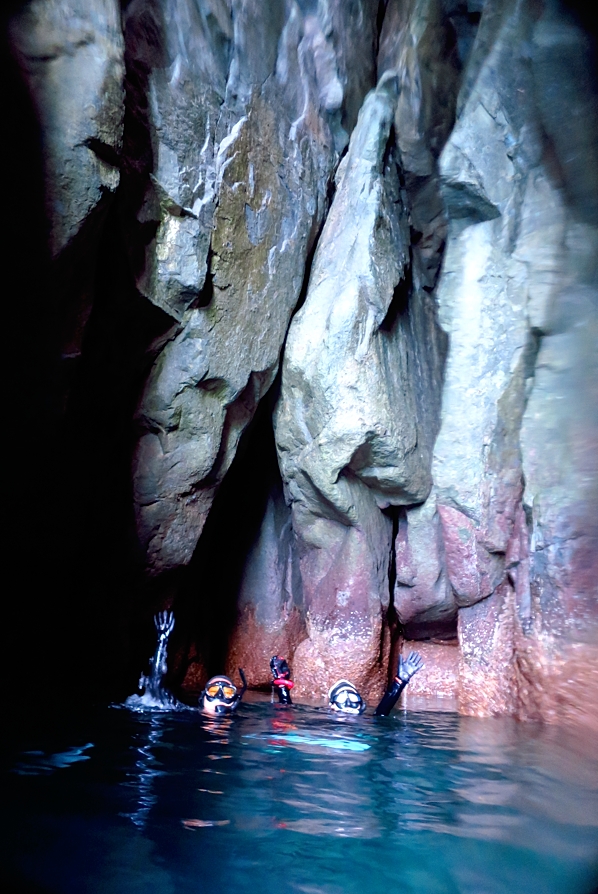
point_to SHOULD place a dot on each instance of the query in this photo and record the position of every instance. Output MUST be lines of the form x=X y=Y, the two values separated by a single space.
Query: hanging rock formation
x=240 y=185
x=72 y=56
x=418 y=42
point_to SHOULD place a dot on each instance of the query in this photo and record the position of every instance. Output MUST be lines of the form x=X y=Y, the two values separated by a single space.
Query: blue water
x=277 y=800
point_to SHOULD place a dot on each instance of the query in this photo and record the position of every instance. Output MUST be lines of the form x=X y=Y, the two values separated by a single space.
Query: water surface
x=281 y=799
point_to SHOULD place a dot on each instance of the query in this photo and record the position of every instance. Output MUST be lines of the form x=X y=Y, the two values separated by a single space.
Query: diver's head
x=220 y=696
x=343 y=696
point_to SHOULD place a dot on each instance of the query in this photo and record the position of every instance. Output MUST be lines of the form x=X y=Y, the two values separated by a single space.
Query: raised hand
x=409 y=667
x=281 y=679
x=164 y=622
x=279 y=667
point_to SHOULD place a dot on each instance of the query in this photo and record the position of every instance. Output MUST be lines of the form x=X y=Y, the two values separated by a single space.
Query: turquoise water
x=281 y=799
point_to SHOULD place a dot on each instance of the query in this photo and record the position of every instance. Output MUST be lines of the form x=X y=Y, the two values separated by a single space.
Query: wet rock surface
x=439 y=676
x=270 y=619
x=71 y=60
x=509 y=260
x=351 y=440
x=376 y=225
x=423 y=596
x=248 y=203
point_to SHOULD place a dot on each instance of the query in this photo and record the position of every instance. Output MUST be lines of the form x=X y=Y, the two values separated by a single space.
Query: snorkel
x=344 y=697
x=220 y=696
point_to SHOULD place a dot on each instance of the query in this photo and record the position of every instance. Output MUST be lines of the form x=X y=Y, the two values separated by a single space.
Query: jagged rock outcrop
x=240 y=184
x=512 y=469
x=350 y=435
x=72 y=56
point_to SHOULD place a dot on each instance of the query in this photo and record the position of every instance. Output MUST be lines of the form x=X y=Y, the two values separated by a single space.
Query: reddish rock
x=423 y=594
x=334 y=653
x=195 y=677
x=487 y=676
x=253 y=644
x=473 y=571
x=439 y=676
x=531 y=650
x=558 y=682
x=270 y=617
x=564 y=571
x=343 y=588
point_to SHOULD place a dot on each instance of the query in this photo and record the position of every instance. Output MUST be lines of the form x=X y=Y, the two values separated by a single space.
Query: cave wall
x=375 y=222
x=515 y=459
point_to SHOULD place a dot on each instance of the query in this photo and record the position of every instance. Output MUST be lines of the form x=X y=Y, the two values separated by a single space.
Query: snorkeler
x=344 y=697
x=281 y=679
x=221 y=696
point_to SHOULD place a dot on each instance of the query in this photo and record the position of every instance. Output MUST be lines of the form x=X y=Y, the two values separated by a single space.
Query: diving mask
x=222 y=689
x=343 y=696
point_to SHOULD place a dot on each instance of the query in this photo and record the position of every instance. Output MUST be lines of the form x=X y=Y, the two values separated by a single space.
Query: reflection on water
x=305 y=801
x=147 y=769
x=33 y=763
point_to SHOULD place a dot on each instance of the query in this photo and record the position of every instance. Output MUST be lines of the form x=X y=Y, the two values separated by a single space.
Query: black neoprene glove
x=406 y=669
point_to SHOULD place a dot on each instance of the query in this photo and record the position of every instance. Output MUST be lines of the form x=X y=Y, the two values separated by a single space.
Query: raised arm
x=243 y=688
x=407 y=669
x=281 y=679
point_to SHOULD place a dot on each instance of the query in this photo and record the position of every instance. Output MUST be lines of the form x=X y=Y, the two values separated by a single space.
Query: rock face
x=423 y=596
x=418 y=43
x=439 y=676
x=71 y=57
x=270 y=618
x=515 y=460
x=239 y=187
x=385 y=216
x=350 y=437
